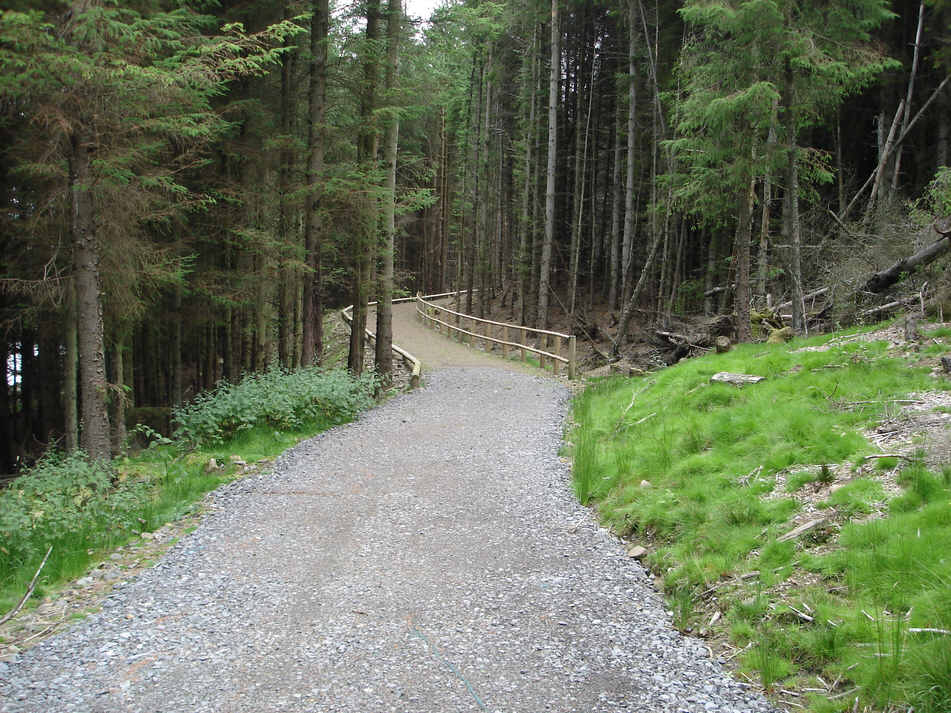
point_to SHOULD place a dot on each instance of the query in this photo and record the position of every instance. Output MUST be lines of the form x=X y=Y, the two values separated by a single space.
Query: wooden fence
x=411 y=361
x=515 y=337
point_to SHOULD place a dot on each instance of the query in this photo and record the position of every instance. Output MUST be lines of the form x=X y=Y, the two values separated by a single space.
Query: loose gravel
x=428 y=558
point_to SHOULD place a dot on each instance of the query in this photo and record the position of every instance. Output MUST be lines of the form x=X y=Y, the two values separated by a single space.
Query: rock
x=725 y=377
x=212 y=466
x=237 y=460
x=780 y=336
x=637 y=552
x=645 y=483
x=723 y=344
x=147 y=536
x=84 y=581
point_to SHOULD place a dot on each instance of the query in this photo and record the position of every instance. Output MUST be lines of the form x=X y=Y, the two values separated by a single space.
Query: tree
x=124 y=100
x=384 y=309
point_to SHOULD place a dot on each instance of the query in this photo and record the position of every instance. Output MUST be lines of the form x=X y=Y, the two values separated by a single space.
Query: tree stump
x=723 y=344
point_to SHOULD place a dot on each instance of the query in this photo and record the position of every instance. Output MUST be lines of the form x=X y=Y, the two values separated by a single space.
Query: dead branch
x=29 y=591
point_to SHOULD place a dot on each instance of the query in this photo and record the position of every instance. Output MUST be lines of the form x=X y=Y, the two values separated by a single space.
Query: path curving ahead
x=429 y=558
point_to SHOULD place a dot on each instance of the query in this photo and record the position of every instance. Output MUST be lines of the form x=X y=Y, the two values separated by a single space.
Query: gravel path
x=428 y=558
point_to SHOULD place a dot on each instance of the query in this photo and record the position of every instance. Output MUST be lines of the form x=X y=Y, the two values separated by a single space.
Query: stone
x=84 y=581
x=645 y=483
x=637 y=552
x=237 y=460
x=725 y=377
x=147 y=536
x=212 y=466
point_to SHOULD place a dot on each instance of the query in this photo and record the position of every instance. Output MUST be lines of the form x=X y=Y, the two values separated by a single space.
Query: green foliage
x=709 y=452
x=60 y=496
x=276 y=399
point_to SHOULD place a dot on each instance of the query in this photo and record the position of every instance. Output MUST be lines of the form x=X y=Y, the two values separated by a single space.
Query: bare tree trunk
x=384 y=309
x=287 y=274
x=525 y=242
x=175 y=348
x=366 y=155
x=627 y=248
x=793 y=231
x=92 y=361
x=908 y=96
x=70 y=386
x=744 y=233
x=313 y=328
x=118 y=396
x=615 y=251
x=581 y=163
x=544 y=280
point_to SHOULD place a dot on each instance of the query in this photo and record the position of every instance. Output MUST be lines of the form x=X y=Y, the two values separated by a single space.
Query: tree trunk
x=910 y=94
x=175 y=348
x=793 y=232
x=615 y=252
x=70 y=384
x=287 y=273
x=581 y=156
x=744 y=230
x=524 y=259
x=313 y=328
x=554 y=75
x=366 y=155
x=627 y=248
x=384 y=309
x=118 y=399
x=92 y=361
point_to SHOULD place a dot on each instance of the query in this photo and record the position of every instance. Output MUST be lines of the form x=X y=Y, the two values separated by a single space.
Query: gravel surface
x=428 y=558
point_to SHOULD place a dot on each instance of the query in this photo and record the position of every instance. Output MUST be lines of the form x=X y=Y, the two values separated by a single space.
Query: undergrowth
x=689 y=468
x=84 y=509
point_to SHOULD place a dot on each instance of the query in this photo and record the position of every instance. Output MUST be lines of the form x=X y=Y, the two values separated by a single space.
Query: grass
x=709 y=454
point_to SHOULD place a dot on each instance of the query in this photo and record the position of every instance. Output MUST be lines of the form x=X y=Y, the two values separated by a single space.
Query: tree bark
x=554 y=75
x=92 y=363
x=793 y=233
x=384 y=309
x=741 y=296
x=313 y=329
x=366 y=155
x=627 y=247
x=70 y=383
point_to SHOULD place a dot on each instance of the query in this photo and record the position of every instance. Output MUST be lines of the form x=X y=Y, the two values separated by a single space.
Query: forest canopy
x=189 y=187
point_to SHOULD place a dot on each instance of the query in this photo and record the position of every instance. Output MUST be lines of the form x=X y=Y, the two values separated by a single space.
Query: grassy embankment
x=709 y=477
x=84 y=510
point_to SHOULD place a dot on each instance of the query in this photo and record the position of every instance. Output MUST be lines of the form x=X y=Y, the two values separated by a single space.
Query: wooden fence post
x=522 y=341
x=555 y=364
x=572 y=357
x=504 y=336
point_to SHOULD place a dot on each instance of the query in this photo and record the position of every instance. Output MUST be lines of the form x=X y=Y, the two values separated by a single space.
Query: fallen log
x=881 y=281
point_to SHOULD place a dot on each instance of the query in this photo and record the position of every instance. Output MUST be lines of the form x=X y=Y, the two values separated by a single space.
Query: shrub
x=59 y=497
x=277 y=399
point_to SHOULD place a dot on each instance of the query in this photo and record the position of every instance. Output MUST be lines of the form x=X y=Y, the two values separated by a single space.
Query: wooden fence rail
x=507 y=336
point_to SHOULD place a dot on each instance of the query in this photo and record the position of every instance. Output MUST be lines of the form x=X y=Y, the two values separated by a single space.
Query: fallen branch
x=929 y=630
x=29 y=591
x=634 y=396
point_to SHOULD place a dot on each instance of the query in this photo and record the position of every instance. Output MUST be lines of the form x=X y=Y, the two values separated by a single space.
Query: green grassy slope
x=710 y=477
